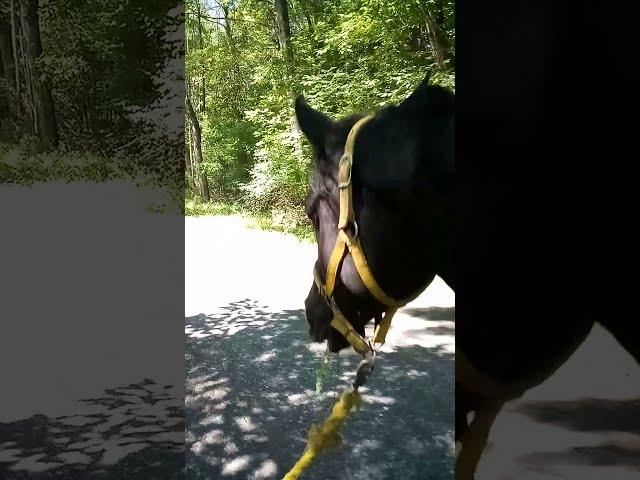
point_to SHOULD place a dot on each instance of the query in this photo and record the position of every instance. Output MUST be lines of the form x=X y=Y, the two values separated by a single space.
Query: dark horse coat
x=545 y=196
x=534 y=226
x=404 y=202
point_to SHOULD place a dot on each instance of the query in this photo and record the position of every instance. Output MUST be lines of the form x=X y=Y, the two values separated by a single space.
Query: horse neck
x=409 y=228
x=399 y=247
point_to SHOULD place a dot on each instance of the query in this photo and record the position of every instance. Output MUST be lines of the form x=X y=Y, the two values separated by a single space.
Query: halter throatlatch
x=349 y=242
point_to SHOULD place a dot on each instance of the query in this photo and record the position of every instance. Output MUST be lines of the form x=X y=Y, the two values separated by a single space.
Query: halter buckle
x=346 y=161
x=364 y=369
x=354 y=225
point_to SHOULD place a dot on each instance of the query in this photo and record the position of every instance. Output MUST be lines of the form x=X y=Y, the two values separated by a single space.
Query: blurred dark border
x=92 y=257
x=548 y=197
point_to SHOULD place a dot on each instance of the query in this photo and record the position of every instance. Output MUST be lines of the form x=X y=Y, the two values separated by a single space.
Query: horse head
x=402 y=191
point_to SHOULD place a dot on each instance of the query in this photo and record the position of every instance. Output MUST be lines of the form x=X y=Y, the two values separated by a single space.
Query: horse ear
x=426 y=95
x=315 y=125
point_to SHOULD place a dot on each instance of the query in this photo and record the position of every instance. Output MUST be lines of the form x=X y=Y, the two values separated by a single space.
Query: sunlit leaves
x=349 y=55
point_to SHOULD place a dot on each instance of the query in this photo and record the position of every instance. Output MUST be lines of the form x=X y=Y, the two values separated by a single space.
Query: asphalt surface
x=582 y=423
x=101 y=406
x=91 y=352
x=255 y=383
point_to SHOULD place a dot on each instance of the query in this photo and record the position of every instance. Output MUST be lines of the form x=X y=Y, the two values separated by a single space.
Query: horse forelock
x=324 y=175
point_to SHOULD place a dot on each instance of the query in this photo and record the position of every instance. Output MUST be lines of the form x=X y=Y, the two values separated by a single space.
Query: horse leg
x=474 y=438
x=464 y=405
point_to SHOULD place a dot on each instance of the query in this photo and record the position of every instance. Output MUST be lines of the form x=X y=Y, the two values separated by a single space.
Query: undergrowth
x=275 y=220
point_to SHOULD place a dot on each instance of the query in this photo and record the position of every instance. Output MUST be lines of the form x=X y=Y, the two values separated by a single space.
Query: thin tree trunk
x=284 y=28
x=197 y=158
x=187 y=157
x=227 y=25
x=187 y=160
x=203 y=71
x=192 y=179
x=27 y=103
x=236 y=69
x=45 y=116
x=14 y=44
x=438 y=41
x=6 y=55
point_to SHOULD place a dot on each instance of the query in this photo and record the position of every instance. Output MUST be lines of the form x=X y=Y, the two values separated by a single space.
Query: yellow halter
x=349 y=242
x=323 y=437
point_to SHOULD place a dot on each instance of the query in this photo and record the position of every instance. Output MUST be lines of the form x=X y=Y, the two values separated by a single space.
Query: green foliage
x=194 y=207
x=275 y=220
x=282 y=220
x=348 y=56
x=21 y=164
x=114 y=73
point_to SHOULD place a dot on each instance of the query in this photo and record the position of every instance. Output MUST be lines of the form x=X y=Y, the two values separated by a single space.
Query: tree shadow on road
x=432 y=313
x=130 y=432
x=255 y=385
x=587 y=416
x=604 y=455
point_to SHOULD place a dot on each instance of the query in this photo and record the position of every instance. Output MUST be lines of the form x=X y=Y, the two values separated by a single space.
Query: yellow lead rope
x=327 y=436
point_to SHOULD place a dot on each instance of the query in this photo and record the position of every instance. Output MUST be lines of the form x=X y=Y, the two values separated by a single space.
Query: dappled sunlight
x=378 y=399
x=266 y=470
x=233 y=466
x=134 y=428
x=432 y=328
x=245 y=424
x=582 y=422
x=255 y=384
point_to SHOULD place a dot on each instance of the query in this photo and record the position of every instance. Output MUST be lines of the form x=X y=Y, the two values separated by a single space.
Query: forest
x=91 y=90
x=200 y=95
x=246 y=61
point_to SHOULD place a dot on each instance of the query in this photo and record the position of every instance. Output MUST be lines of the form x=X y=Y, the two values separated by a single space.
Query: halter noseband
x=349 y=242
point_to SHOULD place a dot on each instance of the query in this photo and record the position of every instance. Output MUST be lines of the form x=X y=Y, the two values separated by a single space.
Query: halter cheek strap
x=350 y=242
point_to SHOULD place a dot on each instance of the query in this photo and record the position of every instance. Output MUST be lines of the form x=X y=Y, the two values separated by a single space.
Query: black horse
x=527 y=294
x=545 y=199
x=403 y=198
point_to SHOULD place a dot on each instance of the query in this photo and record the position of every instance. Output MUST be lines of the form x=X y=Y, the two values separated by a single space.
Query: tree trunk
x=187 y=158
x=43 y=109
x=14 y=44
x=197 y=157
x=6 y=55
x=203 y=70
x=238 y=92
x=192 y=179
x=284 y=29
x=438 y=41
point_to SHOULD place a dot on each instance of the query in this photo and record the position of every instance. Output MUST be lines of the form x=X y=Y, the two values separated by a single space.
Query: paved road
x=252 y=387
x=80 y=398
x=98 y=409
x=255 y=384
x=583 y=423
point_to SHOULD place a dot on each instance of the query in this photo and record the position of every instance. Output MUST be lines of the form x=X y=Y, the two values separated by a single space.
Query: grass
x=267 y=222
x=274 y=221
x=194 y=207
x=21 y=164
